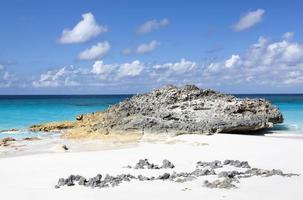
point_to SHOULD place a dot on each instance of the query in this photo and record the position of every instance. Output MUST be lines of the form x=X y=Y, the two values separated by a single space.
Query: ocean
x=21 y=111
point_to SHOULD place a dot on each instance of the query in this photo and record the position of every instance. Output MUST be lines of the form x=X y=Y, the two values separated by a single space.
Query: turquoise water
x=22 y=111
x=291 y=106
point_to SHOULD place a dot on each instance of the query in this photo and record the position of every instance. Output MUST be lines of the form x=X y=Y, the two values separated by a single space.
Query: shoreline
x=53 y=143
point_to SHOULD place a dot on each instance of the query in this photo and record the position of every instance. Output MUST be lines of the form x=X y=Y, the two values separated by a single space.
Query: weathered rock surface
x=177 y=110
x=226 y=179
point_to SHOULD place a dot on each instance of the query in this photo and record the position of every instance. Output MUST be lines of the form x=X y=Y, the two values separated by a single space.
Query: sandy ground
x=34 y=176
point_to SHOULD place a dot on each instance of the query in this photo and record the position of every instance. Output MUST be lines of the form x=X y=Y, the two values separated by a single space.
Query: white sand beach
x=34 y=176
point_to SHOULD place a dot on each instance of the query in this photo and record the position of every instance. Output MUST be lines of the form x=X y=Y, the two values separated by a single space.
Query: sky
x=128 y=47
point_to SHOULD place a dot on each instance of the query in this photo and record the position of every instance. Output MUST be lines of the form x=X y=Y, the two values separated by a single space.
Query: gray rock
x=82 y=181
x=222 y=184
x=203 y=172
x=167 y=164
x=164 y=176
x=213 y=165
x=237 y=163
x=191 y=110
x=61 y=182
x=226 y=179
x=183 y=110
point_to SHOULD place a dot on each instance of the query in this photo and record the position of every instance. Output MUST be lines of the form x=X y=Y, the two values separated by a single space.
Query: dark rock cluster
x=225 y=179
x=218 y=164
x=145 y=164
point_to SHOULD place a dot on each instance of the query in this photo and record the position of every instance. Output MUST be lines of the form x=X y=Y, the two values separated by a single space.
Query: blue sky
x=134 y=46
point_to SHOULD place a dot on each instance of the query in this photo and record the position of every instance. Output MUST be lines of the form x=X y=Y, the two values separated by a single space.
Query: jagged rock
x=237 y=163
x=203 y=172
x=226 y=179
x=222 y=184
x=145 y=164
x=213 y=165
x=188 y=109
x=167 y=164
x=164 y=176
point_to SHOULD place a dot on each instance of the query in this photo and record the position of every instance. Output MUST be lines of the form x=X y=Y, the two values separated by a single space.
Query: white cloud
x=83 y=31
x=147 y=48
x=103 y=70
x=58 y=77
x=130 y=69
x=95 y=52
x=151 y=25
x=265 y=64
x=1 y=67
x=233 y=60
x=249 y=20
x=99 y=74
x=177 y=67
x=142 y=48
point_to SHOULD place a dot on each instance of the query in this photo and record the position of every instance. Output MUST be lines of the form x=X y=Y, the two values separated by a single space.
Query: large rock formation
x=176 y=110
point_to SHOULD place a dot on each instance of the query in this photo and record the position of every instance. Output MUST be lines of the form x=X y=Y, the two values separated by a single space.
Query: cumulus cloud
x=98 y=74
x=151 y=25
x=265 y=64
x=249 y=20
x=83 y=31
x=233 y=60
x=130 y=69
x=142 y=48
x=100 y=68
x=95 y=52
x=147 y=48
x=177 y=67
x=58 y=77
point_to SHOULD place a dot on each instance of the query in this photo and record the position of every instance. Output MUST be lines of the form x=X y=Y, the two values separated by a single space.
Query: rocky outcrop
x=170 y=109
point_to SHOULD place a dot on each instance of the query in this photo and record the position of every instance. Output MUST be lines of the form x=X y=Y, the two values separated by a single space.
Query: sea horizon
x=21 y=111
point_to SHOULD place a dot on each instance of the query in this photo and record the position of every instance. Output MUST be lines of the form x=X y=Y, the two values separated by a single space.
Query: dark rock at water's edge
x=178 y=110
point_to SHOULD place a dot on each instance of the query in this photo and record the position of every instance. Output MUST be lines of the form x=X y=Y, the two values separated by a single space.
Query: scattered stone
x=226 y=179
x=203 y=172
x=167 y=164
x=164 y=176
x=222 y=184
x=213 y=165
x=145 y=164
x=229 y=174
x=65 y=147
x=237 y=163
